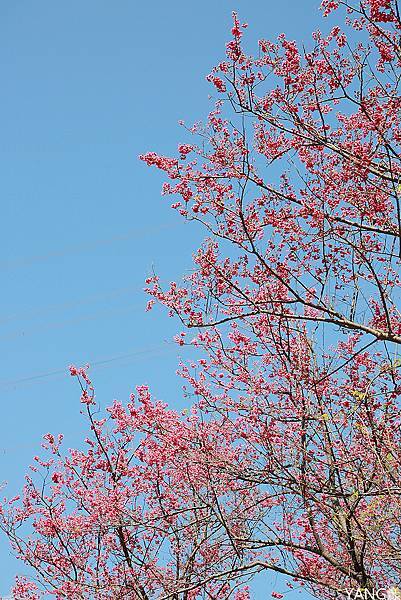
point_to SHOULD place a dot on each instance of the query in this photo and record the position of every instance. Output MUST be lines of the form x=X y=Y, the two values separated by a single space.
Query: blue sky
x=86 y=87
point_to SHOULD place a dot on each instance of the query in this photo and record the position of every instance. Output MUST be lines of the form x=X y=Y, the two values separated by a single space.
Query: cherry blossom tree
x=289 y=459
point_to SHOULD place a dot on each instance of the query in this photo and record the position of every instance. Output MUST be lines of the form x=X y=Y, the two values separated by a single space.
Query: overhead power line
x=93 y=365
x=141 y=233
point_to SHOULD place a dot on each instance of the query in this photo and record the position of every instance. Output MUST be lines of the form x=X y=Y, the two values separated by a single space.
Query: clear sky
x=86 y=87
